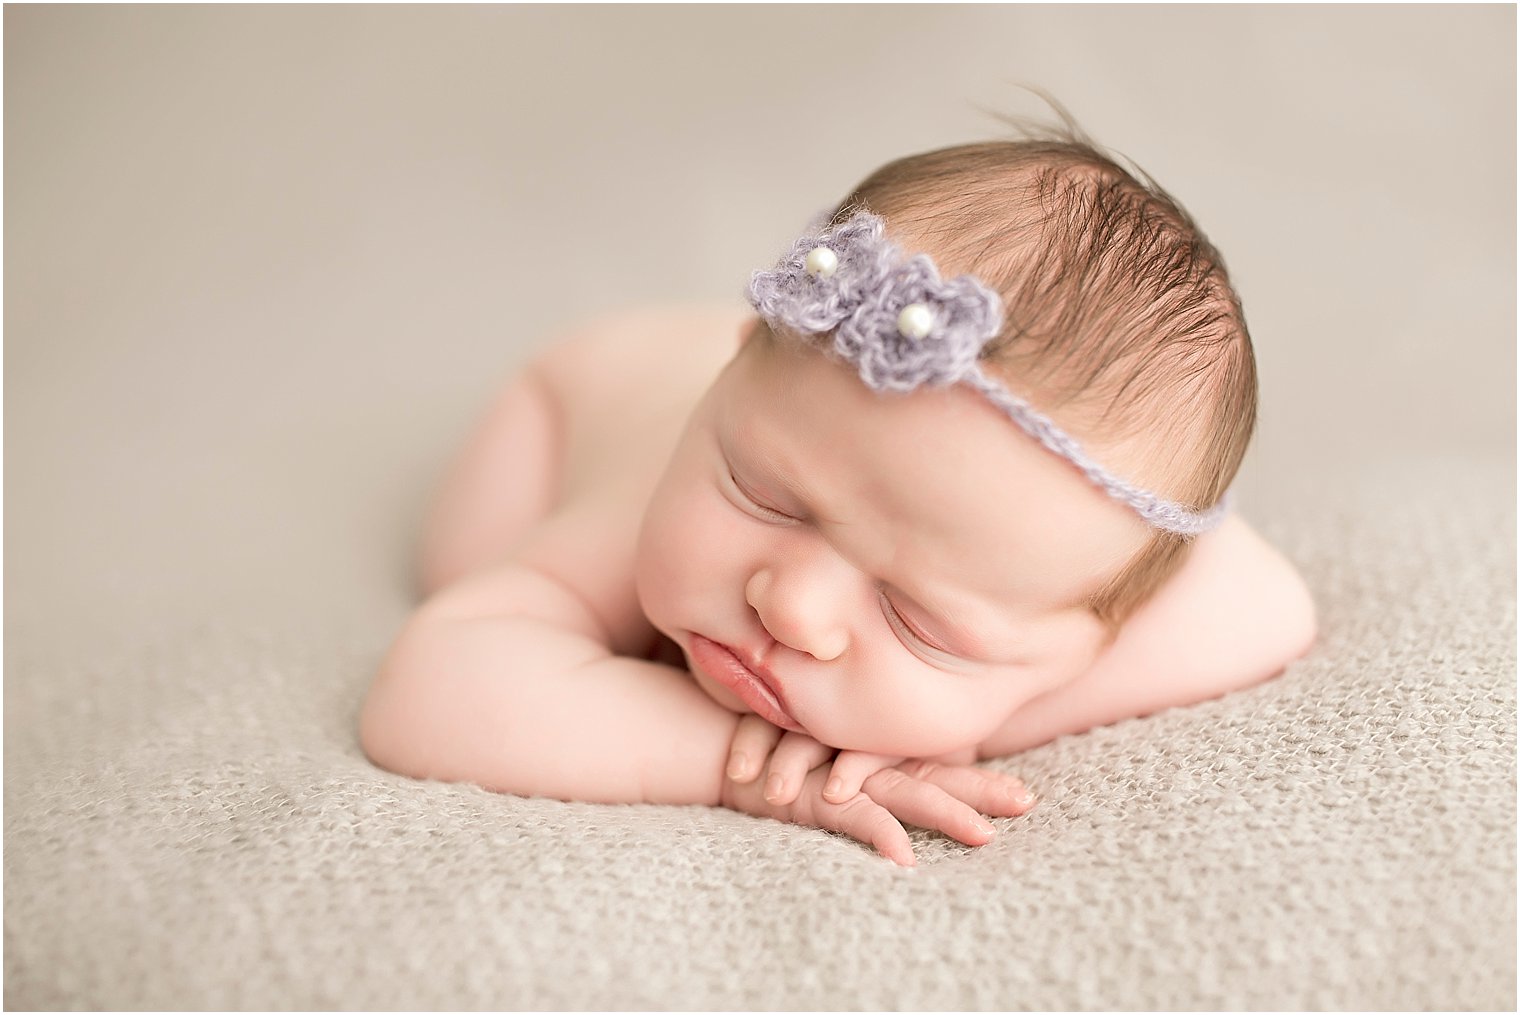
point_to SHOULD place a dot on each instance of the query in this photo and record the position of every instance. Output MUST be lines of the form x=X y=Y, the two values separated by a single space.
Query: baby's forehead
x=935 y=480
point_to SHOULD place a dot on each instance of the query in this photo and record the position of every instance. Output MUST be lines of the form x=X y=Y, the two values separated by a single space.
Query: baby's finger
x=989 y=791
x=752 y=744
x=927 y=806
x=851 y=769
x=862 y=818
x=791 y=761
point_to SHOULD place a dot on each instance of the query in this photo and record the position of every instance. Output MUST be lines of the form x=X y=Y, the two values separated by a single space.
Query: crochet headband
x=901 y=326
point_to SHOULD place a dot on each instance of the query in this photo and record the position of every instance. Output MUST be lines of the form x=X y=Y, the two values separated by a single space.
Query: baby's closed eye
x=929 y=649
x=906 y=628
x=754 y=504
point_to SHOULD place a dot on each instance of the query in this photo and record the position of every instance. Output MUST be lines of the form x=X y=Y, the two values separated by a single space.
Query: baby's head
x=908 y=567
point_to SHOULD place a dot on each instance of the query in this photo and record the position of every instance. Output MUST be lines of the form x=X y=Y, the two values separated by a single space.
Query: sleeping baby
x=954 y=484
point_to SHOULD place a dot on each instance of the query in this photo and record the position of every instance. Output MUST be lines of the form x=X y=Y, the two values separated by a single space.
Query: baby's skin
x=680 y=563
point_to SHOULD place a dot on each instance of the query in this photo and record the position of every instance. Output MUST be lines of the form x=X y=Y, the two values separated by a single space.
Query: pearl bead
x=822 y=262
x=915 y=321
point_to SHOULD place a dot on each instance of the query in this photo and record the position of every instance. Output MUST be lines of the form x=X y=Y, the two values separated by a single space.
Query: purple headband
x=901 y=326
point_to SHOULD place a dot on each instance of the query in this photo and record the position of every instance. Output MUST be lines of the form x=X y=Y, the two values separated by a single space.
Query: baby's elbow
x=392 y=730
x=1302 y=620
x=469 y=700
x=1283 y=625
x=382 y=728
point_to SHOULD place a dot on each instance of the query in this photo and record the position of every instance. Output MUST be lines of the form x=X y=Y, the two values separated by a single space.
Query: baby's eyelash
x=898 y=621
x=770 y=514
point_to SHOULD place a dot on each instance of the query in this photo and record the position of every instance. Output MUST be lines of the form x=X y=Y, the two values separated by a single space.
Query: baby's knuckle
x=884 y=830
x=874 y=822
x=750 y=732
x=859 y=814
x=920 y=769
x=856 y=805
x=889 y=780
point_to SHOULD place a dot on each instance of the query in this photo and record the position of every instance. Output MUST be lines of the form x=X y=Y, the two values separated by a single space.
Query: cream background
x=263 y=265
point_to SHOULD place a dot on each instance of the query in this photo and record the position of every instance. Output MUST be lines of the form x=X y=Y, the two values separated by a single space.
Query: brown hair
x=1119 y=317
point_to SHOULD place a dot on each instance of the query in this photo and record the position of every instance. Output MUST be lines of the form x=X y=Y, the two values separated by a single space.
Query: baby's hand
x=866 y=796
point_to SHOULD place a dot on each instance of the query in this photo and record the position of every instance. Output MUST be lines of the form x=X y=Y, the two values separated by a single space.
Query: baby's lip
x=752 y=661
x=760 y=674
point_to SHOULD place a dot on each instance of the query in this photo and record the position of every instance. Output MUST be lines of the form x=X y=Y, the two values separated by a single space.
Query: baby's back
x=625 y=386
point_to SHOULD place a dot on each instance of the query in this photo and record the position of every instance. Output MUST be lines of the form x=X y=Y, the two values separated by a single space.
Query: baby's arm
x=1235 y=614
x=503 y=680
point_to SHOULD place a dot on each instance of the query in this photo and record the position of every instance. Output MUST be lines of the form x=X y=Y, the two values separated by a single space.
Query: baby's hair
x=1120 y=319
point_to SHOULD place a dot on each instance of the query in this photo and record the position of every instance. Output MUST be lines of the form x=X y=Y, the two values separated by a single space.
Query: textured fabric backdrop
x=265 y=265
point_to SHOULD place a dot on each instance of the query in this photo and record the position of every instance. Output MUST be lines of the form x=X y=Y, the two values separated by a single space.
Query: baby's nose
x=801 y=615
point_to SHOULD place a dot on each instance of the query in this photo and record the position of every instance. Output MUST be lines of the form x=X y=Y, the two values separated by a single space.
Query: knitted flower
x=896 y=321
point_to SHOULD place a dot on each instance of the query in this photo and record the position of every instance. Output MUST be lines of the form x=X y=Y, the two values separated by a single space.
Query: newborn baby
x=955 y=488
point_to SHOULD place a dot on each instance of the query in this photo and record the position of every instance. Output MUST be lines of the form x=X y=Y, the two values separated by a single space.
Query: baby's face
x=907 y=569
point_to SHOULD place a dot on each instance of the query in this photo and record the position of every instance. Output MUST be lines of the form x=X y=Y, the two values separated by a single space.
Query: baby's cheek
x=914 y=722
x=657 y=573
x=679 y=543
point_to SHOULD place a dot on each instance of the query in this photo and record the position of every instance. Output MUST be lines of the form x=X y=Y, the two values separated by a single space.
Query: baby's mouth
x=718 y=662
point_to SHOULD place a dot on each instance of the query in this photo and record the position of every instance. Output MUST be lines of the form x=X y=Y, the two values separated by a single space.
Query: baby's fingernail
x=773 y=788
x=738 y=765
x=983 y=827
x=834 y=788
x=1024 y=798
